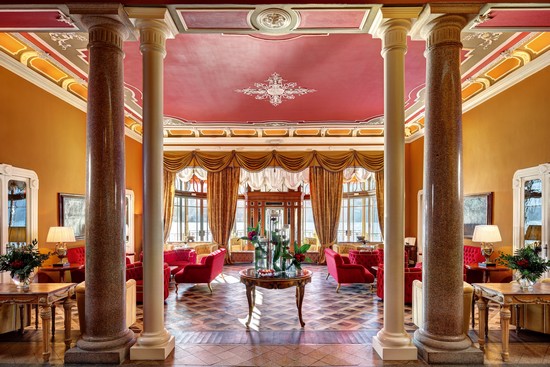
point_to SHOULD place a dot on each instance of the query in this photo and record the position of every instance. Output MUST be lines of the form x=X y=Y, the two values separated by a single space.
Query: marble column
x=441 y=339
x=154 y=343
x=392 y=342
x=107 y=339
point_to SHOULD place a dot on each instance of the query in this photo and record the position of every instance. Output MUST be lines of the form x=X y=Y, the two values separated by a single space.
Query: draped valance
x=291 y=161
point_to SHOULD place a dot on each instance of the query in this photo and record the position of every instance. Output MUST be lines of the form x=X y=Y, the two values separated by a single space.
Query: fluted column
x=154 y=342
x=107 y=339
x=441 y=338
x=392 y=342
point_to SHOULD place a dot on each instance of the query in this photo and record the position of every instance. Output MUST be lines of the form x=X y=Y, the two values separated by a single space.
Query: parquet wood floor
x=209 y=329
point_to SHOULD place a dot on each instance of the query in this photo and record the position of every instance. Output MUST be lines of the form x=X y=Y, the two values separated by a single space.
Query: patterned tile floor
x=209 y=329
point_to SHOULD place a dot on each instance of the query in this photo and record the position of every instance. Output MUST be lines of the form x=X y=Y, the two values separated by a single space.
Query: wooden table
x=60 y=270
x=487 y=270
x=506 y=295
x=251 y=280
x=44 y=295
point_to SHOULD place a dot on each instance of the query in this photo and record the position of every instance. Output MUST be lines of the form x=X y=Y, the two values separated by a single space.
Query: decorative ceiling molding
x=276 y=90
x=274 y=19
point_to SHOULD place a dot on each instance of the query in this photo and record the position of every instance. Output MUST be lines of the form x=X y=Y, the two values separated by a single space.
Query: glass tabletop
x=282 y=275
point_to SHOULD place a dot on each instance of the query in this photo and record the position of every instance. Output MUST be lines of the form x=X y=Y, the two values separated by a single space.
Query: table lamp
x=486 y=234
x=60 y=235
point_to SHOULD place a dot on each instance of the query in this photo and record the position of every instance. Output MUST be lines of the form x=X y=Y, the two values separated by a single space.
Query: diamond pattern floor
x=209 y=329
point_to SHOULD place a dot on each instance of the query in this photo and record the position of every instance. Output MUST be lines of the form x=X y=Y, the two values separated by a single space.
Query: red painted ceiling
x=203 y=71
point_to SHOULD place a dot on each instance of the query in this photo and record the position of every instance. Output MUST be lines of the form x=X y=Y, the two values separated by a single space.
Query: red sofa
x=210 y=267
x=343 y=272
x=135 y=271
x=179 y=259
x=411 y=274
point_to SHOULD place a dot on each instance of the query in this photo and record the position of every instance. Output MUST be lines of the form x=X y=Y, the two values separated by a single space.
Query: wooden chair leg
x=210 y=287
x=338 y=288
x=223 y=277
x=327 y=276
x=176 y=288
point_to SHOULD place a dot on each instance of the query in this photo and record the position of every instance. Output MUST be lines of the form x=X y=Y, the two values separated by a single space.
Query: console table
x=45 y=295
x=251 y=280
x=506 y=295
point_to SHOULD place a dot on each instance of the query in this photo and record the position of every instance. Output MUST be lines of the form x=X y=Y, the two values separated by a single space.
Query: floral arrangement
x=21 y=260
x=300 y=255
x=527 y=262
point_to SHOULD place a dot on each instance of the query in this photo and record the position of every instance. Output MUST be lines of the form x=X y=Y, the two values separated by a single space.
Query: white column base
x=393 y=352
x=152 y=352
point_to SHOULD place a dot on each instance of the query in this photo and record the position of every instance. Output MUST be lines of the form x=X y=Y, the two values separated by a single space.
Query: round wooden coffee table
x=251 y=280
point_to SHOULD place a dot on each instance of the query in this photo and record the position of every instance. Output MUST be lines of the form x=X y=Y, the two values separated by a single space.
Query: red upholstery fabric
x=77 y=255
x=366 y=258
x=210 y=267
x=135 y=271
x=344 y=272
x=472 y=255
x=411 y=274
x=180 y=258
x=381 y=257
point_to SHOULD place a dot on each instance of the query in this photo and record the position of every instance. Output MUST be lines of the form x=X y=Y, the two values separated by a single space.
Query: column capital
x=394 y=34
x=444 y=30
x=105 y=23
x=154 y=25
x=432 y=12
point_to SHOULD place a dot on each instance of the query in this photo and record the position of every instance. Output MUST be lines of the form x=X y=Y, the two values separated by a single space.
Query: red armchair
x=344 y=272
x=210 y=267
x=77 y=255
x=411 y=274
x=179 y=259
x=473 y=255
x=368 y=259
x=135 y=271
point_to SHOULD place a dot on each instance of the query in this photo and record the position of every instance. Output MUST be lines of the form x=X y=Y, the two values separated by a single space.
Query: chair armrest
x=346 y=261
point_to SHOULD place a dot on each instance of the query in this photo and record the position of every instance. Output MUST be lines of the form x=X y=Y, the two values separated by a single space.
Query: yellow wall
x=510 y=131
x=42 y=133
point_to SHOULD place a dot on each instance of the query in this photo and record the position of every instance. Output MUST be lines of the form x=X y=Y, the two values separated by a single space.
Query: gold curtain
x=326 y=201
x=379 y=180
x=169 y=193
x=290 y=161
x=222 y=194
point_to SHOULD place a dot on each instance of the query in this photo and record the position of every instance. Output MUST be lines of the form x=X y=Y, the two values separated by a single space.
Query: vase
x=260 y=258
x=23 y=283
x=526 y=284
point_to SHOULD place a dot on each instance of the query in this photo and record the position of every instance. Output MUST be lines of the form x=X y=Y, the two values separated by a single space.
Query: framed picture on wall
x=72 y=213
x=478 y=209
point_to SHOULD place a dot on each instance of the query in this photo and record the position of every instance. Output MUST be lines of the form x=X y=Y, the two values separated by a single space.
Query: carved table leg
x=482 y=306
x=53 y=322
x=251 y=297
x=21 y=319
x=505 y=316
x=67 y=306
x=300 y=289
x=46 y=315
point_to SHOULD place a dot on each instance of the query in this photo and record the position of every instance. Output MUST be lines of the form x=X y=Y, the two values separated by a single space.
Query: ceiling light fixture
x=275 y=90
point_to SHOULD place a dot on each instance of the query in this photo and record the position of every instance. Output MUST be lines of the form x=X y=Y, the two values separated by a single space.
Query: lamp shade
x=60 y=234
x=486 y=233
x=533 y=232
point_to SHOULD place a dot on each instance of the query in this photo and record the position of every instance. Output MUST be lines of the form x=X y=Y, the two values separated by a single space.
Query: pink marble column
x=441 y=338
x=107 y=339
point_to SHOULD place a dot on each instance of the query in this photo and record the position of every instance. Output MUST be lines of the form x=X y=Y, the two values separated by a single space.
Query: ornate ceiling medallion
x=276 y=90
x=274 y=20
